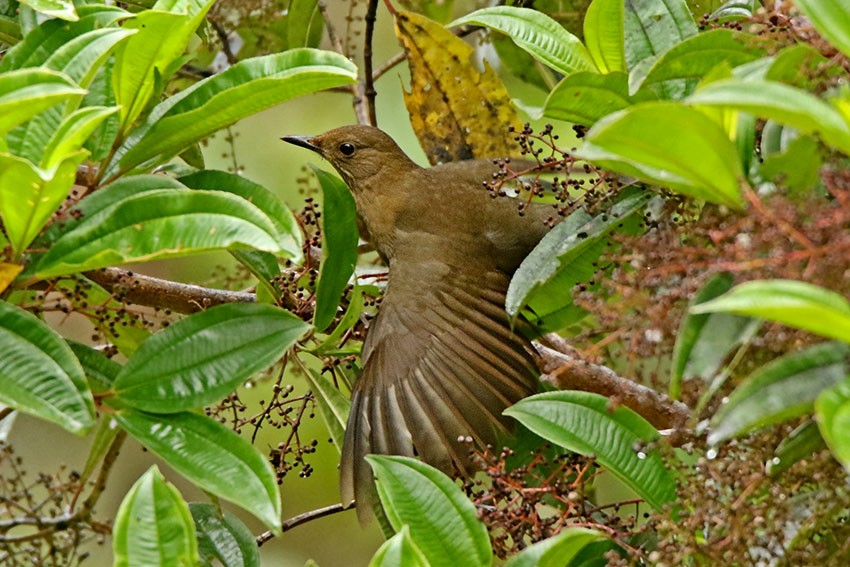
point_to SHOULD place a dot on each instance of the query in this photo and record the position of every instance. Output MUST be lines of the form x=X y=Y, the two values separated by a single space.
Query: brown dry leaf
x=456 y=111
x=8 y=273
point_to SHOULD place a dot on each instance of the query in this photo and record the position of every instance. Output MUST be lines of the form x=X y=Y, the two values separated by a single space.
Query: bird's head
x=357 y=152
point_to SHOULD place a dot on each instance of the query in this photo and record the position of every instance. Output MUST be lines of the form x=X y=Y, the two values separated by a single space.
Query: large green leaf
x=71 y=134
x=339 y=246
x=654 y=26
x=832 y=410
x=671 y=145
x=586 y=423
x=30 y=195
x=780 y=390
x=782 y=103
x=556 y=551
x=705 y=340
x=53 y=38
x=794 y=303
x=143 y=63
x=26 y=92
x=39 y=374
x=209 y=105
x=585 y=97
x=153 y=526
x=697 y=55
x=399 y=551
x=831 y=19
x=222 y=536
x=204 y=357
x=159 y=224
x=80 y=58
x=304 y=24
x=289 y=233
x=442 y=521
x=565 y=246
x=62 y=9
x=604 y=35
x=10 y=30
x=212 y=457
x=541 y=36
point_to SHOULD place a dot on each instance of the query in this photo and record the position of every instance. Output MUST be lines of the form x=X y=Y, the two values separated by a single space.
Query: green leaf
x=832 y=411
x=704 y=341
x=25 y=93
x=10 y=30
x=584 y=423
x=541 y=36
x=604 y=35
x=204 y=357
x=62 y=9
x=556 y=551
x=80 y=59
x=800 y=444
x=333 y=405
x=349 y=319
x=830 y=19
x=39 y=374
x=158 y=224
x=153 y=526
x=797 y=167
x=787 y=105
x=793 y=303
x=399 y=551
x=304 y=24
x=100 y=94
x=671 y=145
x=54 y=39
x=100 y=370
x=565 y=247
x=780 y=390
x=584 y=97
x=105 y=433
x=339 y=228
x=72 y=133
x=30 y=195
x=222 y=536
x=212 y=457
x=653 y=27
x=442 y=521
x=209 y=105
x=289 y=233
x=146 y=59
x=697 y=55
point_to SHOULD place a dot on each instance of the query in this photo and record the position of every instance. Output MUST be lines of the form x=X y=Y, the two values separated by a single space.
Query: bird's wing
x=440 y=362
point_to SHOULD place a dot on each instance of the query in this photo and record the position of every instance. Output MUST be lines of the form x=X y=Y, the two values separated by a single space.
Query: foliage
x=702 y=220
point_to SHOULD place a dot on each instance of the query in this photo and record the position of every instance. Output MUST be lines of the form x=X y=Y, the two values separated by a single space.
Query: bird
x=441 y=360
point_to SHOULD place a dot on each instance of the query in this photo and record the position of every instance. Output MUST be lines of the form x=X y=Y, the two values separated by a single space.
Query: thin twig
x=294 y=521
x=369 y=81
x=225 y=42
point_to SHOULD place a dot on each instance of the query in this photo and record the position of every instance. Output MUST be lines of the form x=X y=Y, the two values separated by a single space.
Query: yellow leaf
x=8 y=273
x=457 y=112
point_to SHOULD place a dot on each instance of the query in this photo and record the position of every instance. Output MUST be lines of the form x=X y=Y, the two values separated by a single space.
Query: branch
x=369 y=81
x=294 y=521
x=565 y=369
x=164 y=294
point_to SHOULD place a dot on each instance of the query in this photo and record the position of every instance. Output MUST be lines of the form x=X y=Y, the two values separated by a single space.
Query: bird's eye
x=346 y=149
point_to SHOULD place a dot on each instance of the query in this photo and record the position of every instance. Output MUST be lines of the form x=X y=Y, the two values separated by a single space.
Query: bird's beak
x=303 y=141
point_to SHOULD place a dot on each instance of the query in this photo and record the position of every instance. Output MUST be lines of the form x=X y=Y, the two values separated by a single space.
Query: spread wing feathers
x=438 y=365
